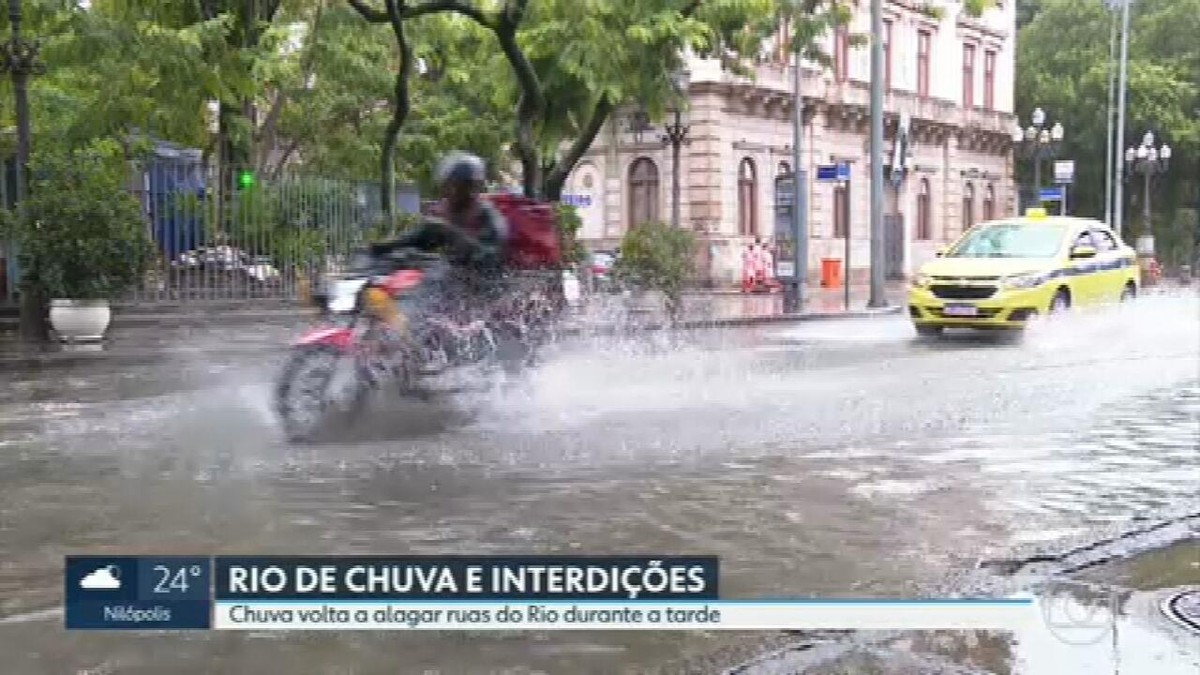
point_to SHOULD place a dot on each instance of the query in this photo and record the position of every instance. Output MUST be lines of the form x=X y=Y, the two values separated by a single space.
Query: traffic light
x=245 y=179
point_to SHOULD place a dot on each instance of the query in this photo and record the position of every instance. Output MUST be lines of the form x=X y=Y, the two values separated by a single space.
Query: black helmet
x=461 y=167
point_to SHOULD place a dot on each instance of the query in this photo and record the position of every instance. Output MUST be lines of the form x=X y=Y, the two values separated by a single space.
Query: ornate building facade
x=951 y=78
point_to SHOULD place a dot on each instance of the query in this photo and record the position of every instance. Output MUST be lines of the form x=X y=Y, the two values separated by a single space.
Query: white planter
x=79 y=320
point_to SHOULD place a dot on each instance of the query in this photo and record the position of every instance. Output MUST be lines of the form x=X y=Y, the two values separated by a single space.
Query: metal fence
x=232 y=235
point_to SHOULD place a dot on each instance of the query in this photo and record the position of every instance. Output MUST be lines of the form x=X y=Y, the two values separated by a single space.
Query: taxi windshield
x=1010 y=240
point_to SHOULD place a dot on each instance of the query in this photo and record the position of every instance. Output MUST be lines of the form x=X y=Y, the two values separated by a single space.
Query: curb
x=215 y=316
x=39 y=360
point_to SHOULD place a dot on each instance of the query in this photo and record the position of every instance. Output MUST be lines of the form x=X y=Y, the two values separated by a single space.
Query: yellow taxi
x=1001 y=273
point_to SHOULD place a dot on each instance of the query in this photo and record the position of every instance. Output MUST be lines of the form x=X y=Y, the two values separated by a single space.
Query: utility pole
x=1118 y=196
x=1109 y=147
x=799 y=185
x=877 y=259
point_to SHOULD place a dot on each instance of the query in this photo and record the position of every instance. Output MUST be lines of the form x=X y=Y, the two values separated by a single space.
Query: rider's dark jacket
x=476 y=245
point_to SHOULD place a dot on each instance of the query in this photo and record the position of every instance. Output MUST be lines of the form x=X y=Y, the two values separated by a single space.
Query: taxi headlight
x=1028 y=280
x=922 y=281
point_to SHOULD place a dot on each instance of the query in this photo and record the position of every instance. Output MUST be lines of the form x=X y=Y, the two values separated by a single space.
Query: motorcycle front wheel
x=308 y=392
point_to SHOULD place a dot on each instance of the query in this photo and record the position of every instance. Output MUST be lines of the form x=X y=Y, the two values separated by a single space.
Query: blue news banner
x=182 y=593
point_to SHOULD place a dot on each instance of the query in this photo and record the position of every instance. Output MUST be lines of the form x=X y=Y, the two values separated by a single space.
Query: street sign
x=1064 y=172
x=833 y=173
x=577 y=200
x=1052 y=194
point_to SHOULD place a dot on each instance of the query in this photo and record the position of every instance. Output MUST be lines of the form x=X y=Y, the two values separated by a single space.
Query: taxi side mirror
x=941 y=252
x=1083 y=252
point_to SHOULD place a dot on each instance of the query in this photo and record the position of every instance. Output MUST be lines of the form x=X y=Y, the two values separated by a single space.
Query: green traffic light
x=245 y=179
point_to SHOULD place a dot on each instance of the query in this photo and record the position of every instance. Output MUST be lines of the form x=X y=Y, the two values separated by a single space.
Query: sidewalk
x=147 y=336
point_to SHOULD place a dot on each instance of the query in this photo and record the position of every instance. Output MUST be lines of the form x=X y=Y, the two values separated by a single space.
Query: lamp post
x=1149 y=161
x=1038 y=143
x=675 y=135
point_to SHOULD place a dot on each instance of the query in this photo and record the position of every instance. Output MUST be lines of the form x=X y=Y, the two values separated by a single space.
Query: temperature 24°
x=175 y=578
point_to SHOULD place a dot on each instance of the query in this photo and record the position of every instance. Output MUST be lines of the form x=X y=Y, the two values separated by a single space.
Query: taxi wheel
x=1061 y=302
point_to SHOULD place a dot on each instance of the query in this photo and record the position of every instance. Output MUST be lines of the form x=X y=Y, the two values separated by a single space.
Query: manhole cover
x=1184 y=608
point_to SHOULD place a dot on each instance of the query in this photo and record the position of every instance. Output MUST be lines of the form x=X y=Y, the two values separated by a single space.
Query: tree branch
x=268 y=131
x=400 y=110
x=434 y=6
x=368 y=12
x=290 y=150
x=587 y=135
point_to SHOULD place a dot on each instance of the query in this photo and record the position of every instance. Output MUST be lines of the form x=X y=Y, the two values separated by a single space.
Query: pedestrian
x=749 y=262
x=760 y=263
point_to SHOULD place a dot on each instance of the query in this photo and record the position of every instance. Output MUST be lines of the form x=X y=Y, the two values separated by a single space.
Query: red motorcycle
x=379 y=326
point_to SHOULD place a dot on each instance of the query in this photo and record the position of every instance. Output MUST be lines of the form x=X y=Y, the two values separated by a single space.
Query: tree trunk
x=34 y=305
x=400 y=110
x=556 y=178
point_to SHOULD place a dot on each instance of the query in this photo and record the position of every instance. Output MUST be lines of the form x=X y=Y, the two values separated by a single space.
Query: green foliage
x=293 y=220
x=1063 y=67
x=656 y=256
x=385 y=229
x=569 y=225
x=83 y=236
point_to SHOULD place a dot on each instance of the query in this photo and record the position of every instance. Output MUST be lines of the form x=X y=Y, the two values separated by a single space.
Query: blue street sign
x=833 y=172
x=1053 y=194
x=577 y=200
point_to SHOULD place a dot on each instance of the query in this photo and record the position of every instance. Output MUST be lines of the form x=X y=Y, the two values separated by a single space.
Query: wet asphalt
x=837 y=458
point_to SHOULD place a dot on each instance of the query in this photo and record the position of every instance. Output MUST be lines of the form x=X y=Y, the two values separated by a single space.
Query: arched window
x=643 y=192
x=924 y=217
x=968 y=205
x=784 y=169
x=989 y=203
x=747 y=198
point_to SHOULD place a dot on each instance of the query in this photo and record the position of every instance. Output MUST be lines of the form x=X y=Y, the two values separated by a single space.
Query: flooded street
x=833 y=458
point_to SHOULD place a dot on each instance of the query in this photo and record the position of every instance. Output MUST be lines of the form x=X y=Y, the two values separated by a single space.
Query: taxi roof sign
x=1035 y=213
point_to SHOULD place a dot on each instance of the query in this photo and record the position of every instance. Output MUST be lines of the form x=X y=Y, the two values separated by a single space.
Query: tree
x=84 y=238
x=1063 y=68
x=572 y=63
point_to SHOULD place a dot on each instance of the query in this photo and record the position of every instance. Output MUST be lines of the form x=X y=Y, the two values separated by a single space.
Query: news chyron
x=534 y=593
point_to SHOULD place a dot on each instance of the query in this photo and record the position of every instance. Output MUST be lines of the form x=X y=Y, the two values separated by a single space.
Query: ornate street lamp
x=675 y=136
x=1149 y=161
x=1038 y=143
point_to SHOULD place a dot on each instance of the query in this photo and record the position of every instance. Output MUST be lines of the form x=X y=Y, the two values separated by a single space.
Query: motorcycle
x=382 y=324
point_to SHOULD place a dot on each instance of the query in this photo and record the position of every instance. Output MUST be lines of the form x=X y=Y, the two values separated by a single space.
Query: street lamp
x=1038 y=143
x=1149 y=161
x=675 y=136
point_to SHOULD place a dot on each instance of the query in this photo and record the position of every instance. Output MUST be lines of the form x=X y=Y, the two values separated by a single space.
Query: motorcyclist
x=473 y=236
x=471 y=233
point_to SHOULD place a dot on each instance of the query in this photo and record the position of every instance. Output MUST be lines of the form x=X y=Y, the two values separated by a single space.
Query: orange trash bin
x=831 y=273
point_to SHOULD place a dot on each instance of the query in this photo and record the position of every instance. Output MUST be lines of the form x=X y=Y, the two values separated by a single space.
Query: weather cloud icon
x=103 y=579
